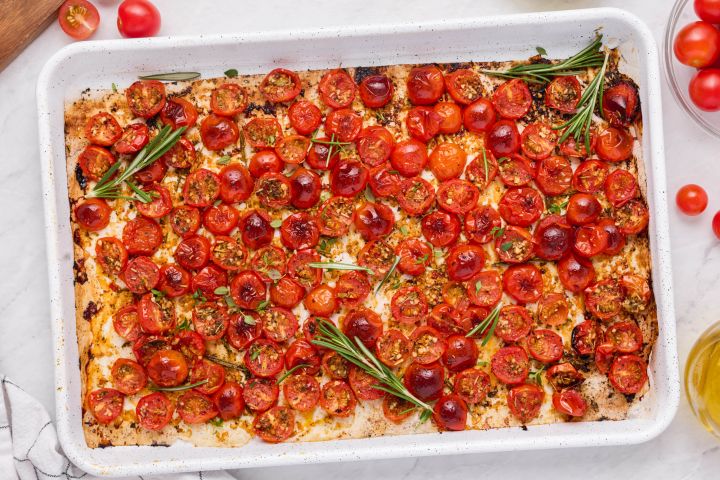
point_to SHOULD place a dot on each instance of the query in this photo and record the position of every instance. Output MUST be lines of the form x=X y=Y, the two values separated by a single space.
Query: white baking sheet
x=98 y=64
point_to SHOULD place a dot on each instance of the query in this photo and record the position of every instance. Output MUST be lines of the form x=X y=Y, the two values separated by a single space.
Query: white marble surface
x=685 y=450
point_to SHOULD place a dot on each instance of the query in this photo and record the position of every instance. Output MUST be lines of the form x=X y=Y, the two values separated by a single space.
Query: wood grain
x=20 y=22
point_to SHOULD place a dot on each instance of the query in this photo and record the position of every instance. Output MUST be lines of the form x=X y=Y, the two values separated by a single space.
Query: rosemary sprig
x=290 y=372
x=226 y=364
x=339 y=266
x=332 y=142
x=171 y=77
x=579 y=125
x=329 y=336
x=108 y=187
x=588 y=57
x=387 y=275
x=179 y=388
x=486 y=167
x=489 y=321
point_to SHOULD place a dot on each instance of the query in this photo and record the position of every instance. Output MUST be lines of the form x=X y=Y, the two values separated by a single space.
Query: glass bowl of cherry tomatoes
x=692 y=60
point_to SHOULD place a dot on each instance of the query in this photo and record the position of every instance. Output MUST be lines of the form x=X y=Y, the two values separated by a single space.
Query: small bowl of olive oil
x=702 y=379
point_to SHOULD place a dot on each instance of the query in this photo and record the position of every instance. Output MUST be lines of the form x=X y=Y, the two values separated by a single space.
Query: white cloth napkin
x=29 y=448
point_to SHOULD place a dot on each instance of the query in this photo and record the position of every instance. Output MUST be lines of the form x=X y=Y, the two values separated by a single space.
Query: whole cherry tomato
x=138 y=18
x=705 y=89
x=691 y=199
x=697 y=44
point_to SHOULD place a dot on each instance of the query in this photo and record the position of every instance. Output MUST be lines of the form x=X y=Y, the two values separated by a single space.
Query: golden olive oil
x=702 y=379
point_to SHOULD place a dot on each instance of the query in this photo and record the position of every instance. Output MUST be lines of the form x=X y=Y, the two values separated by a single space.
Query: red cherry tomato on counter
x=138 y=18
x=716 y=224
x=691 y=199
x=78 y=18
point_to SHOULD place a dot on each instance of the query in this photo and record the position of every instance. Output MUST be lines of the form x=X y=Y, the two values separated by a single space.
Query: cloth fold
x=29 y=448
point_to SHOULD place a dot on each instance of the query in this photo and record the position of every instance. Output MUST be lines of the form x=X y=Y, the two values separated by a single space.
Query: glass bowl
x=679 y=75
x=702 y=379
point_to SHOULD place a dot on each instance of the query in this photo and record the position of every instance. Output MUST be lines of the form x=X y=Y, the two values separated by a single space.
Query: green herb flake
x=216 y=422
x=276 y=223
x=232 y=73
x=224 y=160
x=157 y=293
x=506 y=246
x=221 y=291
x=184 y=325
x=263 y=305
x=249 y=320
x=497 y=232
x=541 y=51
x=254 y=353
x=114 y=87
x=198 y=295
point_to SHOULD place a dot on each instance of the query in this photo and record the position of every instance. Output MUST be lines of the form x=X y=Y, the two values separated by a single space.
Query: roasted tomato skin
x=376 y=91
x=425 y=381
x=450 y=413
x=425 y=85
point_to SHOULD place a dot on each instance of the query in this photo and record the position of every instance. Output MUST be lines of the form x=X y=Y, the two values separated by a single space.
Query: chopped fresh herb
x=232 y=306
x=273 y=275
x=157 y=293
x=270 y=140
x=438 y=252
x=276 y=223
x=224 y=160
x=393 y=172
x=481 y=363
x=263 y=305
x=249 y=320
x=198 y=295
x=217 y=202
x=422 y=259
x=232 y=73
x=541 y=51
x=171 y=77
x=502 y=160
x=536 y=376
x=184 y=325
x=369 y=196
x=403 y=229
x=556 y=208
x=221 y=291
x=506 y=246
x=497 y=232
x=216 y=422
x=379 y=116
x=114 y=87
x=254 y=353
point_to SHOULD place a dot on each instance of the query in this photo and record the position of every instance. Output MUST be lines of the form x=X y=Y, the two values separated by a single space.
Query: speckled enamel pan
x=98 y=64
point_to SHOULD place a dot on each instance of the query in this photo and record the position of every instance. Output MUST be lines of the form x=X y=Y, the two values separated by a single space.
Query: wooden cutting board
x=20 y=22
